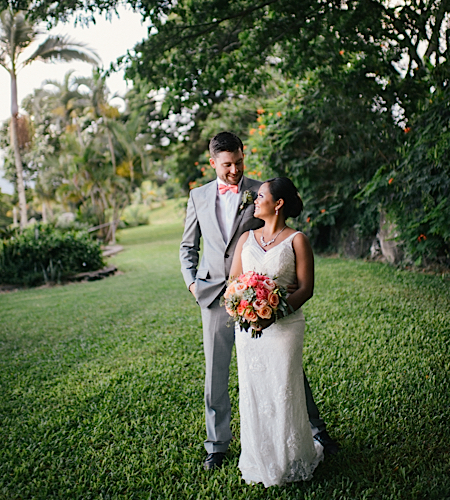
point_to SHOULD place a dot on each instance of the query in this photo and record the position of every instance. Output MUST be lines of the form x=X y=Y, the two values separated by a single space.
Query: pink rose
x=250 y=315
x=265 y=312
x=273 y=299
x=269 y=284
x=262 y=293
x=259 y=304
x=243 y=278
x=241 y=309
x=253 y=281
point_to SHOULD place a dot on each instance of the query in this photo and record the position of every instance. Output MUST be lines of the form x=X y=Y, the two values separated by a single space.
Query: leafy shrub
x=43 y=253
x=415 y=190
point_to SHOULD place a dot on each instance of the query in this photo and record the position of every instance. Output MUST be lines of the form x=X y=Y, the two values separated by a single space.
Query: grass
x=101 y=383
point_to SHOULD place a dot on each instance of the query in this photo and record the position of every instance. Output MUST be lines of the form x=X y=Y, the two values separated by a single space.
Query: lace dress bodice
x=277 y=262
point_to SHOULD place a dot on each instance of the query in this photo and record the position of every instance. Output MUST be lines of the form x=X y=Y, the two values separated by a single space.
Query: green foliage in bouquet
x=43 y=254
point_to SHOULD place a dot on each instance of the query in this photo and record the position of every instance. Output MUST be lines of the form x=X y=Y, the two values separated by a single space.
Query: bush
x=43 y=254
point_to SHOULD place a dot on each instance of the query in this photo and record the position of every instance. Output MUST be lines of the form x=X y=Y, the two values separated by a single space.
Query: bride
x=276 y=439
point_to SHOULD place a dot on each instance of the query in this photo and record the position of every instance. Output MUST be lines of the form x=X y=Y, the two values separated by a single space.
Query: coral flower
x=391 y=180
x=265 y=312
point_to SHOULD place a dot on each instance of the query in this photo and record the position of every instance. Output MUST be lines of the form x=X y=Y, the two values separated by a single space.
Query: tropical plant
x=16 y=34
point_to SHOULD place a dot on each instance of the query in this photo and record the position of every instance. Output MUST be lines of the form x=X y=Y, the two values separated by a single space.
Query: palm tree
x=17 y=33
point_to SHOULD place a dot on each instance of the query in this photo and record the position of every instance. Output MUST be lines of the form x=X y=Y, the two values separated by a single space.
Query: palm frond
x=15 y=32
x=63 y=48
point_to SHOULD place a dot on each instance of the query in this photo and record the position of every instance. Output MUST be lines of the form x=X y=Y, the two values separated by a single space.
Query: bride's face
x=264 y=204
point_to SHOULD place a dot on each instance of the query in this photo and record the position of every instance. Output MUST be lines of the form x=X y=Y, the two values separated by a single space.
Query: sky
x=110 y=39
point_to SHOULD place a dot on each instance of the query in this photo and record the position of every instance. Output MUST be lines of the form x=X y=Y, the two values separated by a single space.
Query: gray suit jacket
x=201 y=221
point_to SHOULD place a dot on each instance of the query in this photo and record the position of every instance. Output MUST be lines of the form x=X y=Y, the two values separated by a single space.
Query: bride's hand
x=265 y=323
x=292 y=288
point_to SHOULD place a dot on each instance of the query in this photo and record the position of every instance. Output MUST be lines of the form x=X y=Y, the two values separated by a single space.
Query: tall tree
x=16 y=34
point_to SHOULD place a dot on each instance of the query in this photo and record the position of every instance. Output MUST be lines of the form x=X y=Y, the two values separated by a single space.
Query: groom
x=220 y=212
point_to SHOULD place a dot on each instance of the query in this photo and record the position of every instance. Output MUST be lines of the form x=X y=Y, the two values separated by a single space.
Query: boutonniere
x=247 y=199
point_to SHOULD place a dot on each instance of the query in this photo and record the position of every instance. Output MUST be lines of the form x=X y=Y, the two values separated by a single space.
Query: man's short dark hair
x=225 y=141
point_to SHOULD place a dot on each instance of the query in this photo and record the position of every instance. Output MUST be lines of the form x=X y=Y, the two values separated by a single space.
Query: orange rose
x=265 y=312
x=250 y=315
x=273 y=299
x=231 y=290
x=240 y=288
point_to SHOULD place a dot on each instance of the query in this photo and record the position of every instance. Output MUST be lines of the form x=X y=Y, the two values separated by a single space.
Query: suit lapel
x=239 y=213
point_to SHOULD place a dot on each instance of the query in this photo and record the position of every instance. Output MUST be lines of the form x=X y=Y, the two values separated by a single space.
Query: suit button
x=226 y=256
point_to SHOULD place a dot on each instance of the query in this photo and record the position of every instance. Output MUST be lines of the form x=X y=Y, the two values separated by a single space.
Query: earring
x=276 y=211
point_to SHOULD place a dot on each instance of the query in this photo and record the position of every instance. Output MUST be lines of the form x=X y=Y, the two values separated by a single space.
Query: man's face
x=229 y=166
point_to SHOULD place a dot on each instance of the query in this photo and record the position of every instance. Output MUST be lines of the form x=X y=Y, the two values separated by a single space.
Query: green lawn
x=101 y=383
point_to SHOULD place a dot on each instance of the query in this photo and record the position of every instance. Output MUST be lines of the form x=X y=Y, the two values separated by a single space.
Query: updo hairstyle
x=284 y=189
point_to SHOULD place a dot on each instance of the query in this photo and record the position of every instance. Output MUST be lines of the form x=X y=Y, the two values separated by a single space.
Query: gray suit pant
x=218 y=340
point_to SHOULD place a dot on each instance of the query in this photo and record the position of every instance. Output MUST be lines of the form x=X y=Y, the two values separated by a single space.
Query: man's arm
x=190 y=246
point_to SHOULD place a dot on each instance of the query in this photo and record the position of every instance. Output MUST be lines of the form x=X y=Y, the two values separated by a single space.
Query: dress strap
x=292 y=236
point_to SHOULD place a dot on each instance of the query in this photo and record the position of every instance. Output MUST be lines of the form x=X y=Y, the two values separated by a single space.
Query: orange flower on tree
x=308 y=219
x=422 y=237
x=254 y=150
x=407 y=129
x=279 y=113
x=245 y=147
x=262 y=126
x=259 y=119
x=252 y=131
x=391 y=180
x=323 y=211
x=196 y=163
x=260 y=111
x=341 y=52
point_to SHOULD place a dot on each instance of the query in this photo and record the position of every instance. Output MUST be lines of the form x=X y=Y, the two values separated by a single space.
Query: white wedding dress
x=276 y=438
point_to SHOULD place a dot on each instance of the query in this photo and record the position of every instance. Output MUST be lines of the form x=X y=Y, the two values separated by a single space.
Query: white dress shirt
x=227 y=205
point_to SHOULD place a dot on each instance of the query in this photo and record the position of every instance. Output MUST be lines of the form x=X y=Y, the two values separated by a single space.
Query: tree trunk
x=18 y=160
x=44 y=212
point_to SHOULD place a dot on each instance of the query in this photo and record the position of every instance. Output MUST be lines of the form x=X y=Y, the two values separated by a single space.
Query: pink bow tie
x=223 y=188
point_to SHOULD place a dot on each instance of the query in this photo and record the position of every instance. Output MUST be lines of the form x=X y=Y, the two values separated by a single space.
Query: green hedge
x=44 y=254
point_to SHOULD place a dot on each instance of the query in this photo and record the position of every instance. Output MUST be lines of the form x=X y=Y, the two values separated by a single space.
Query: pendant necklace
x=264 y=244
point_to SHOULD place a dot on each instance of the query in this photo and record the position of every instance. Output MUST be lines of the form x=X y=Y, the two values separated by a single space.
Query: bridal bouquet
x=252 y=296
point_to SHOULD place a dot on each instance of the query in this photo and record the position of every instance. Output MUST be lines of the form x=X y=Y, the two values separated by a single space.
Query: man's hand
x=192 y=289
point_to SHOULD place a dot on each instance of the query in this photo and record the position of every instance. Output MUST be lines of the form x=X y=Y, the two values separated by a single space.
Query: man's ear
x=212 y=162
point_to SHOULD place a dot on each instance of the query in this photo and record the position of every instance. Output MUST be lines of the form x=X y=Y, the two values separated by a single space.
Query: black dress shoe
x=214 y=461
x=329 y=446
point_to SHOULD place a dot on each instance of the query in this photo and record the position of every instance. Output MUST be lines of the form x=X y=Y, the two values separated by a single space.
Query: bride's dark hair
x=282 y=188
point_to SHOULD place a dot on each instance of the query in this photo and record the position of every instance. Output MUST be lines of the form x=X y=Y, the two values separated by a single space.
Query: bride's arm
x=304 y=266
x=236 y=265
